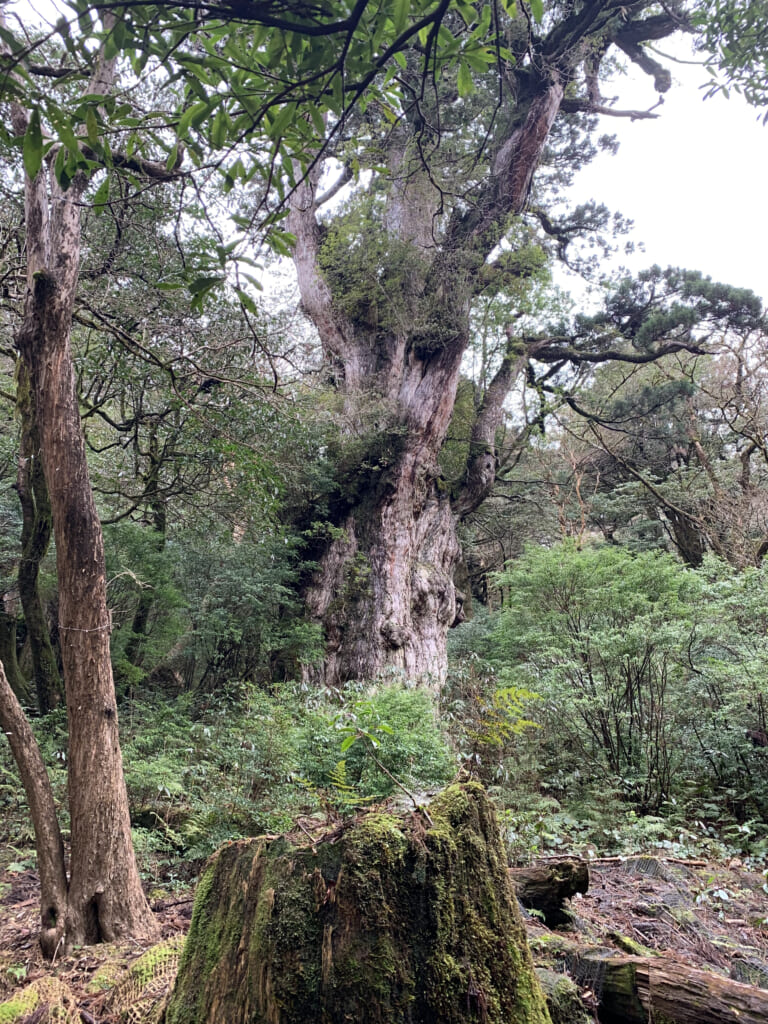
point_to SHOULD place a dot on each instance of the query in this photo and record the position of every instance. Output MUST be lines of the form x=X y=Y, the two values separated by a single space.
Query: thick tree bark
x=385 y=591
x=105 y=899
x=37 y=787
x=385 y=920
x=384 y=588
x=35 y=538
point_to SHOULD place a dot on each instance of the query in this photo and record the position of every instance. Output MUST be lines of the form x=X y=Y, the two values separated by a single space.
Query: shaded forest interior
x=317 y=491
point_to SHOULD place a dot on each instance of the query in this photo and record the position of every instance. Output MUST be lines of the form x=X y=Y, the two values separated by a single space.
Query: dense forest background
x=427 y=515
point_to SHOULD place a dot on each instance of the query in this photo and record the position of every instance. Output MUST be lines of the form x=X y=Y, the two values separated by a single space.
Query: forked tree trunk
x=384 y=589
x=105 y=900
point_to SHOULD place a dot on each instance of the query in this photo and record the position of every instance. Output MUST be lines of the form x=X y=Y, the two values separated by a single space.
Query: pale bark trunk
x=384 y=590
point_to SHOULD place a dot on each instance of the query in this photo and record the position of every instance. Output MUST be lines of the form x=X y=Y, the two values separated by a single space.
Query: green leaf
x=246 y=301
x=173 y=156
x=220 y=128
x=92 y=127
x=60 y=169
x=464 y=81
x=400 y=15
x=282 y=120
x=202 y=285
x=33 y=146
x=101 y=196
x=537 y=9
x=480 y=59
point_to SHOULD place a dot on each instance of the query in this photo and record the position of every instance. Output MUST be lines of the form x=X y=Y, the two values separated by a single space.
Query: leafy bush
x=385 y=737
x=652 y=683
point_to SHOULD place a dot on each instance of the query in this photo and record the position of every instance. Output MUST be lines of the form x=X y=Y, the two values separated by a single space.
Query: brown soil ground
x=22 y=963
x=706 y=915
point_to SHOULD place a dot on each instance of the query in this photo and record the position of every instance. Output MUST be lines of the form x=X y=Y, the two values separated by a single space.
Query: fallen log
x=634 y=990
x=545 y=888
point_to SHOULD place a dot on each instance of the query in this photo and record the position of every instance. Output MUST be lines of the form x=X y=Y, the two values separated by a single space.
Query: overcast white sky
x=694 y=181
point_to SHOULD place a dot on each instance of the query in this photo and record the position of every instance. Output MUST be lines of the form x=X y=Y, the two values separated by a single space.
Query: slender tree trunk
x=8 y=656
x=37 y=787
x=105 y=899
x=105 y=896
x=134 y=648
x=35 y=538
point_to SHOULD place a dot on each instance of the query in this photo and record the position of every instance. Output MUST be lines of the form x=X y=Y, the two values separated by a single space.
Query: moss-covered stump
x=390 y=920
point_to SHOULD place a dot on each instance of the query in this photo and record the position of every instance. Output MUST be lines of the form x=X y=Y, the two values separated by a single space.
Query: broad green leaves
x=735 y=36
x=258 y=100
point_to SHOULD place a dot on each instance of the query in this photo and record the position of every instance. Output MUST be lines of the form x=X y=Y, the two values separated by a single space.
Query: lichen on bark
x=408 y=919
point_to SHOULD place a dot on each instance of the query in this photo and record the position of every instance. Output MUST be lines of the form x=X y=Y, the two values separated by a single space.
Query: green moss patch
x=388 y=919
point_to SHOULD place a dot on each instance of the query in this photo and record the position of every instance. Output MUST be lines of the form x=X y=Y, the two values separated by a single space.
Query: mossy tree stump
x=407 y=920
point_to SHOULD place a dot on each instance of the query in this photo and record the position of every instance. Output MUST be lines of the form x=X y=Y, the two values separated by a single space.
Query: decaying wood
x=546 y=887
x=397 y=918
x=634 y=990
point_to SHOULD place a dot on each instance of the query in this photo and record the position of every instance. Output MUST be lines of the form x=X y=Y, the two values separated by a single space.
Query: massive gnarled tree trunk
x=384 y=588
x=104 y=898
x=385 y=591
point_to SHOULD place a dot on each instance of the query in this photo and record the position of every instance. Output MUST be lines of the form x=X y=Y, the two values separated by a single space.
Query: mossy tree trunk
x=386 y=920
x=389 y=280
x=9 y=659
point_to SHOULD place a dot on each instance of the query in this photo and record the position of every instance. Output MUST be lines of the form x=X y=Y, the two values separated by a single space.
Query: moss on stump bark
x=391 y=920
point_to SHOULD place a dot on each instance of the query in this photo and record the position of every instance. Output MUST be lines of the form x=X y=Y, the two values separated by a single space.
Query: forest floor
x=702 y=914
x=706 y=915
